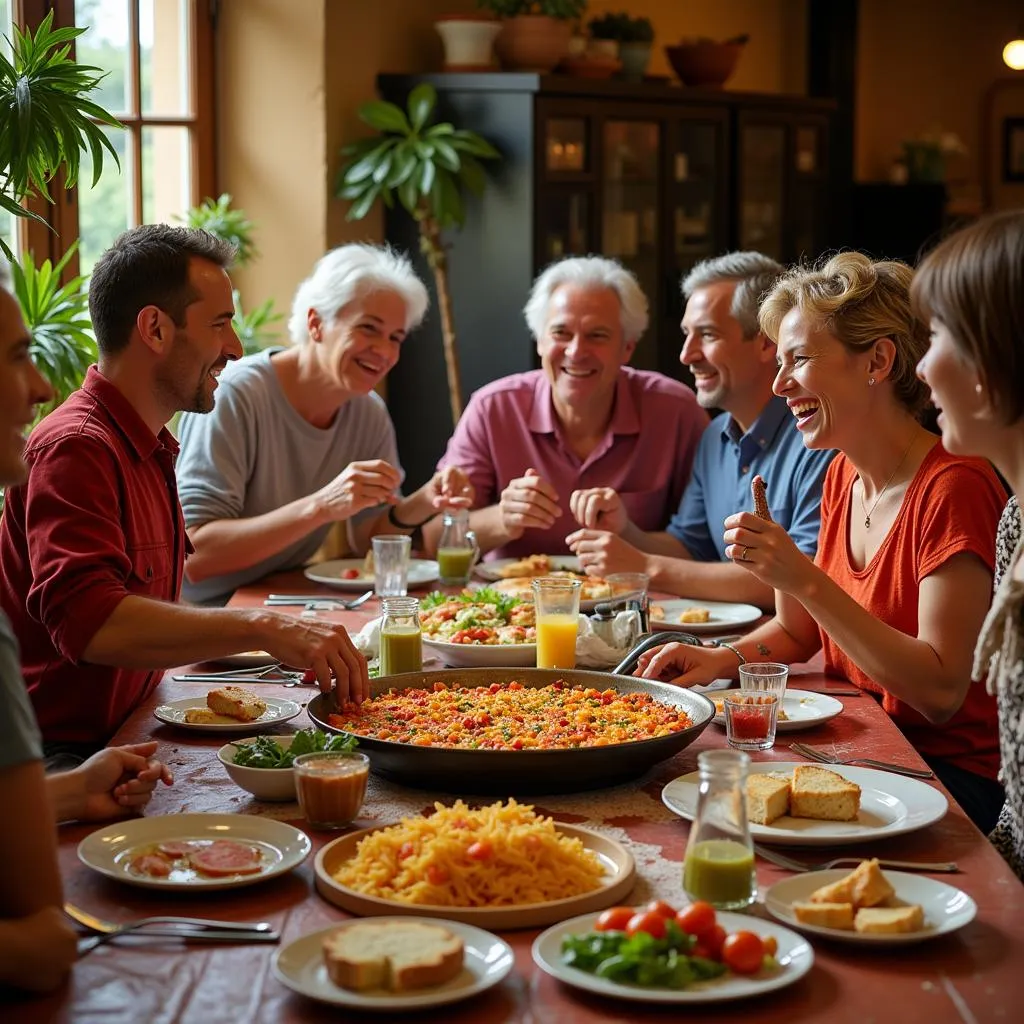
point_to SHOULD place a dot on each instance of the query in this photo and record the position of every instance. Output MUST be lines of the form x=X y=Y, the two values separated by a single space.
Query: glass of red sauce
x=331 y=786
x=750 y=719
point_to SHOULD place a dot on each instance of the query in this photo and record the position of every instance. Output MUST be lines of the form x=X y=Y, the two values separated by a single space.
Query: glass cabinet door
x=630 y=231
x=762 y=177
x=696 y=183
x=565 y=220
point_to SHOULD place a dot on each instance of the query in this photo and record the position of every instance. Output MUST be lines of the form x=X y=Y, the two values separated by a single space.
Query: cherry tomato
x=350 y=574
x=709 y=945
x=743 y=952
x=436 y=875
x=697 y=919
x=646 y=921
x=481 y=850
x=614 y=919
x=406 y=850
x=661 y=907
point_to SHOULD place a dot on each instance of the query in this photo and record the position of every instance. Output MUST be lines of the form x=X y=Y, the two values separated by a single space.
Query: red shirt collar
x=125 y=416
x=625 y=416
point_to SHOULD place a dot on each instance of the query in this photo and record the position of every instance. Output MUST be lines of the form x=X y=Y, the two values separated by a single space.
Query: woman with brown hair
x=969 y=289
x=897 y=591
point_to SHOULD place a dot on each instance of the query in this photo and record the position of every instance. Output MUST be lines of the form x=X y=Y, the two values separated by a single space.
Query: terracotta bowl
x=707 y=64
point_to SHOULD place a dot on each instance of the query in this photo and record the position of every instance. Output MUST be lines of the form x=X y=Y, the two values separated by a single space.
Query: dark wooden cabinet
x=656 y=176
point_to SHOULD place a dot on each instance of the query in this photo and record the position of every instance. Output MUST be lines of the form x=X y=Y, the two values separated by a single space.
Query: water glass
x=767 y=676
x=557 y=603
x=391 y=565
x=750 y=719
x=629 y=587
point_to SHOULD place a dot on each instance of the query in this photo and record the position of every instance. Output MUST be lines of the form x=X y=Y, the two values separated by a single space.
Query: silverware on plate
x=823 y=757
x=792 y=864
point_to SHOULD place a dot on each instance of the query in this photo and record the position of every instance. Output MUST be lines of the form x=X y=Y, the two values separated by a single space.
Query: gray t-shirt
x=20 y=740
x=255 y=453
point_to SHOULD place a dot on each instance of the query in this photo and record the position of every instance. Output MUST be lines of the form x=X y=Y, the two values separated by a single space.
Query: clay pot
x=707 y=63
x=533 y=42
x=468 y=42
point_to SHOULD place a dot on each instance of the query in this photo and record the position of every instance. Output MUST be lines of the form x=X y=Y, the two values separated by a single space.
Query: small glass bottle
x=457 y=549
x=719 y=864
x=401 y=644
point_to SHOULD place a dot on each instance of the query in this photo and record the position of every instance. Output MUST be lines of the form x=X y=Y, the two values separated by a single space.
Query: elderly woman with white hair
x=298 y=440
x=584 y=420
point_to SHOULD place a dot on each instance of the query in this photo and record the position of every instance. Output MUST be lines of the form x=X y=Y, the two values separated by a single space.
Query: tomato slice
x=646 y=921
x=614 y=919
x=743 y=952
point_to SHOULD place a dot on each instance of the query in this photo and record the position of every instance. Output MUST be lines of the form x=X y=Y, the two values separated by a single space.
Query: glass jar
x=401 y=644
x=719 y=864
x=457 y=549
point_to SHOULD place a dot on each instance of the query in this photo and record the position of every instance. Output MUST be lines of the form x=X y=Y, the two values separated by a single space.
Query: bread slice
x=825 y=915
x=395 y=955
x=767 y=798
x=889 y=920
x=869 y=886
x=201 y=716
x=235 y=702
x=822 y=794
x=837 y=892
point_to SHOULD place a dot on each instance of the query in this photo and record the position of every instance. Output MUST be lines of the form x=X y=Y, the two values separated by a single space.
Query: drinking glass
x=765 y=675
x=557 y=603
x=391 y=565
x=750 y=719
x=457 y=550
x=629 y=587
x=331 y=786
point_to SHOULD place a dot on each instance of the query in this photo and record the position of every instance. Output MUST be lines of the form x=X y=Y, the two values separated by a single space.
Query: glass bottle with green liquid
x=719 y=864
x=457 y=550
x=401 y=644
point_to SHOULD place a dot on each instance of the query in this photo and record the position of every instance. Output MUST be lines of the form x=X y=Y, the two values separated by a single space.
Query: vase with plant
x=632 y=37
x=258 y=328
x=468 y=41
x=425 y=166
x=535 y=33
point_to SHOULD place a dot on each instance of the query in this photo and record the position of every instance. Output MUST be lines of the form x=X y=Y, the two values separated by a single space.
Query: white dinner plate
x=246 y=659
x=804 y=710
x=795 y=957
x=488 y=959
x=665 y=615
x=421 y=572
x=109 y=850
x=278 y=710
x=890 y=805
x=483 y=655
x=945 y=907
x=492 y=570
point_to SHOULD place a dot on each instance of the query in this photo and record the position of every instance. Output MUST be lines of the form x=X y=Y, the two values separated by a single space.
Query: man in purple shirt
x=584 y=420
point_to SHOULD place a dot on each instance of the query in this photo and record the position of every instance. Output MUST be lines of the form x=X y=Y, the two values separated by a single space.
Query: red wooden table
x=972 y=975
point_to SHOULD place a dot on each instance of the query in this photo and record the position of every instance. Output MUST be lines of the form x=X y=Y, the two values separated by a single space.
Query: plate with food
x=393 y=963
x=647 y=955
x=800 y=804
x=688 y=616
x=357 y=573
x=246 y=659
x=227 y=709
x=800 y=709
x=870 y=906
x=480 y=628
x=499 y=866
x=194 y=851
x=593 y=589
x=530 y=731
x=530 y=566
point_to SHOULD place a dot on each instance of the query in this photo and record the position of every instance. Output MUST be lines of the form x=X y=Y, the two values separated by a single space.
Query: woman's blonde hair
x=857 y=300
x=973 y=283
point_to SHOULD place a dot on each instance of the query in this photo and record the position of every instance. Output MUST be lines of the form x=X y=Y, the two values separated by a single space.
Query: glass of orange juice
x=557 y=600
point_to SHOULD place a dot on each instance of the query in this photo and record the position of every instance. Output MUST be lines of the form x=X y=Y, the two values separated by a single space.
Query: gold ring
x=743 y=557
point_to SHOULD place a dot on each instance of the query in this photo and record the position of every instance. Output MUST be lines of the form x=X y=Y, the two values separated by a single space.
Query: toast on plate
x=823 y=794
x=889 y=920
x=767 y=798
x=825 y=915
x=237 y=703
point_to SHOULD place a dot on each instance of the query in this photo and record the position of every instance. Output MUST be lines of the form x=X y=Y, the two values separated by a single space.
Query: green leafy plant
x=623 y=27
x=57 y=317
x=566 y=10
x=46 y=118
x=257 y=328
x=425 y=166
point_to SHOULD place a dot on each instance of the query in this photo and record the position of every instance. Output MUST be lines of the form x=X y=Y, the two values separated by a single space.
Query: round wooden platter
x=620 y=876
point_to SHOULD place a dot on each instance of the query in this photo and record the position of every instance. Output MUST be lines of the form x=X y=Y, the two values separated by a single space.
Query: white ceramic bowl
x=263 y=783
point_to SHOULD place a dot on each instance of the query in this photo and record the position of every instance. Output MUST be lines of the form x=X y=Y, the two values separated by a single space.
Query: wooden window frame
x=62 y=214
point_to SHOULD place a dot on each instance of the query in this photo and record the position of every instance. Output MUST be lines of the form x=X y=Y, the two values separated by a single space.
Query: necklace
x=885 y=487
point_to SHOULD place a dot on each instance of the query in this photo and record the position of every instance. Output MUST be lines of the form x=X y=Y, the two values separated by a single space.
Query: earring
x=978 y=389
x=871 y=380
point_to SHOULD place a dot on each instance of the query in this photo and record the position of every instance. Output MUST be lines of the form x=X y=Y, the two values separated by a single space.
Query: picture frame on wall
x=1013 y=149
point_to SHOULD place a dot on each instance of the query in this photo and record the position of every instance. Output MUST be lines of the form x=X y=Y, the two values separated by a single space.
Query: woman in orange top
x=898 y=590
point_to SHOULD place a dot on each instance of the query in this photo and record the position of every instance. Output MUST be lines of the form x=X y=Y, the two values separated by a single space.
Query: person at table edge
x=733 y=365
x=93 y=544
x=585 y=419
x=298 y=440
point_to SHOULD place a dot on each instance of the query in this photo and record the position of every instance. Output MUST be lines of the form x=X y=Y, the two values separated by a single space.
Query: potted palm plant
x=425 y=166
x=535 y=33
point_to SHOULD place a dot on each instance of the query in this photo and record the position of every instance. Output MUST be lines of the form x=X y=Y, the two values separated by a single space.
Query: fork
x=799 y=865
x=98 y=924
x=89 y=942
x=324 y=603
x=822 y=757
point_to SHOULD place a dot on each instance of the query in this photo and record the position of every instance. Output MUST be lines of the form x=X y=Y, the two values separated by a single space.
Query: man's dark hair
x=147 y=266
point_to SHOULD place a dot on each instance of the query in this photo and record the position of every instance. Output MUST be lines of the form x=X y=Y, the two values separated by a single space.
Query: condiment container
x=331 y=786
x=401 y=643
x=457 y=550
x=719 y=863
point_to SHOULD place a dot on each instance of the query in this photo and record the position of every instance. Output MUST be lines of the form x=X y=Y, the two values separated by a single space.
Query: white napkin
x=367 y=640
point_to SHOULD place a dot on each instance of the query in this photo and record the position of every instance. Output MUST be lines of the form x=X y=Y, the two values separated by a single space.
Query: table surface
x=971 y=975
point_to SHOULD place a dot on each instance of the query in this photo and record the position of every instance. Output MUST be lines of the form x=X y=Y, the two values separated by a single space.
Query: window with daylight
x=157 y=56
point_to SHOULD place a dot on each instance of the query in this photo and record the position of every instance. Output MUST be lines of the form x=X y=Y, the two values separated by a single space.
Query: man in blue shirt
x=733 y=366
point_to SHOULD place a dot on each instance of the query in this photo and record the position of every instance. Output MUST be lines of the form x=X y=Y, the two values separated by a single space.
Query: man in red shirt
x=93 y=544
